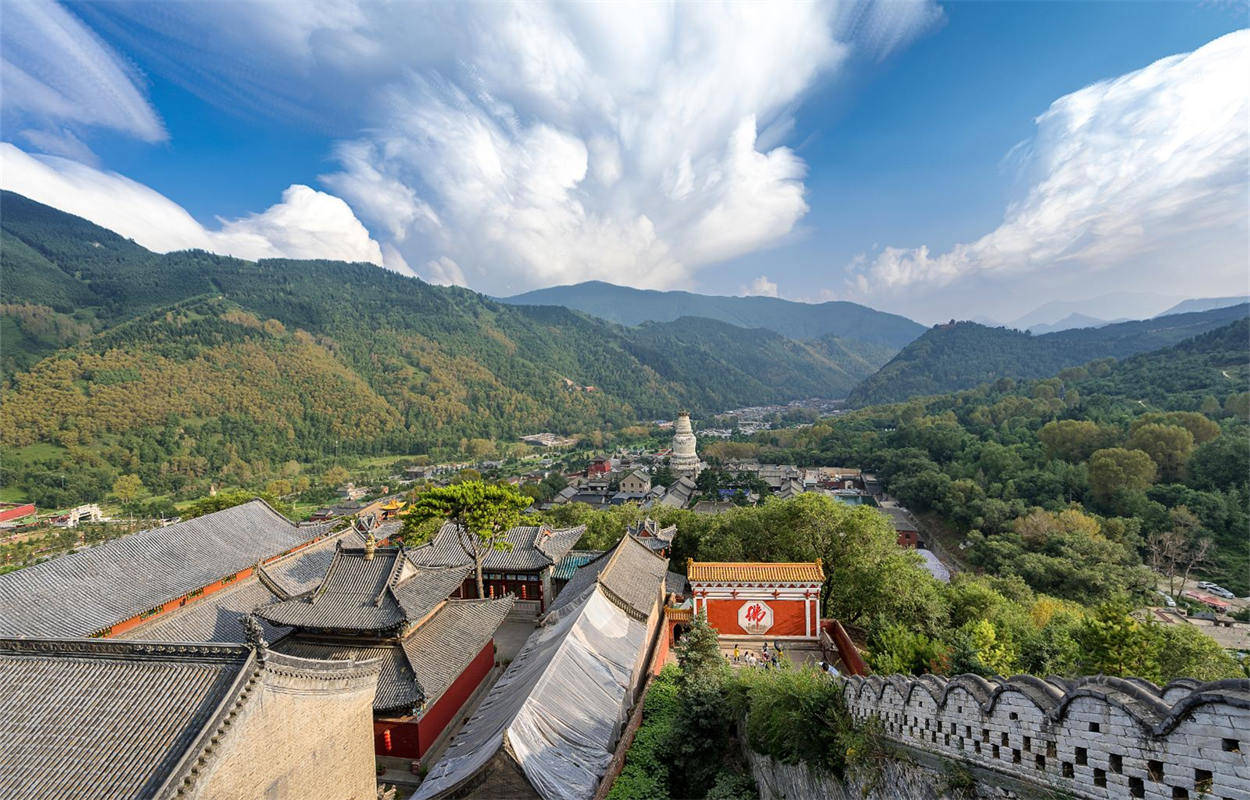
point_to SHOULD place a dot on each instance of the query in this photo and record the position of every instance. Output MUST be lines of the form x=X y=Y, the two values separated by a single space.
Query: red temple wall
x=405 y=738
x=409 y=738
x=787 y=617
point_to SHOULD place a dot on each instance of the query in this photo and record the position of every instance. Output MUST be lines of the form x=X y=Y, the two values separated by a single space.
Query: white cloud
x=538 y=143
x=54 y=73
x=761 y=286
x=306 y=224
x=1134 y=177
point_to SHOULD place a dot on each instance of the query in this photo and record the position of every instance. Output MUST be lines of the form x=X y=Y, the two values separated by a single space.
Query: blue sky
x=849 y=151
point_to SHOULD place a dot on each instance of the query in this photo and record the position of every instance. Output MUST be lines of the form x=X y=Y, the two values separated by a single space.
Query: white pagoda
x=684 y=462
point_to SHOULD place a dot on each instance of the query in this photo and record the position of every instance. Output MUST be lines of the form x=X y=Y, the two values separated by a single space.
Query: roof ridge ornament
x=256 y=636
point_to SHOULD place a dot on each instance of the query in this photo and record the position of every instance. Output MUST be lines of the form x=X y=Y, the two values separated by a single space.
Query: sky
x=953 y=160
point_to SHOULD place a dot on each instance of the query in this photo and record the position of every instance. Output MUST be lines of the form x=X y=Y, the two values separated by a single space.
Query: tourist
x=736 y=654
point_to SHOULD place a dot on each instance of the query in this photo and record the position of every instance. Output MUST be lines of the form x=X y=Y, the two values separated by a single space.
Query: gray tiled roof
x=106 y=719
x=675 y=583
x=217 y=617
x=899 y=517
x=397 y=684
x=630 y=574
x=533 y=547
x=634 y=576
x=442 y=647
x=214 y=618
x=378 y=594
x=422 y=666
x=81 y=593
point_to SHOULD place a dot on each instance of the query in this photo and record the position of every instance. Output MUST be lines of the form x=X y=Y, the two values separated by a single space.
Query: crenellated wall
x=1090 y=738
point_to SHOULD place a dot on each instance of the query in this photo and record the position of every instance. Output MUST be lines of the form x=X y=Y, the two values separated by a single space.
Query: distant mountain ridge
x=206 y=361
x=802 y=321
x=1203 y=304
x=962 y=355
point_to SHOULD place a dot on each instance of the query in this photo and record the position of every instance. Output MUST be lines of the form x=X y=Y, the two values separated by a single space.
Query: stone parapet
x=1095 y=737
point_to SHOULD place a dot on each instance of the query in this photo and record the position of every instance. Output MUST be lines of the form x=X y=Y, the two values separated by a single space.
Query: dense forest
x=961 y=355
x=190 y=367
x=1073 y=482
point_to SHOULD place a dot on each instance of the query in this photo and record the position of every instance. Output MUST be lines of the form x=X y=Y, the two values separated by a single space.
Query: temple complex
x=550 y=724
x=525 y=569
x=754 y=602
x=373 y=602
x=116 y=720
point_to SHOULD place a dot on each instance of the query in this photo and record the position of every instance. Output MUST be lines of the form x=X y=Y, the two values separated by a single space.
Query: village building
x=905 y=528
x=601 y=465
x=119 y=720
x=372 y=602
x=110 y=588
x=712 y=506
x=753 y=602
x=684 y=460
x=677 y=495
x=549 y=726
x=525 y=568
x=636 y=482
x=13 y=514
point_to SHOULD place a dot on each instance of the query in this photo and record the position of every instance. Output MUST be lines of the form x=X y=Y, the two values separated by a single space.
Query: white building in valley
x=684 y=461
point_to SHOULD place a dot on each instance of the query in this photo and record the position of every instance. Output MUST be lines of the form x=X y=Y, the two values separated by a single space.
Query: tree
x=1169 y=446
x=335 y=477
x=480 y=513
x=1174 y=553
x=1222 y=463
x=1074 y=440
x=1113 y=643
x=127 y=488
x=1116 y=468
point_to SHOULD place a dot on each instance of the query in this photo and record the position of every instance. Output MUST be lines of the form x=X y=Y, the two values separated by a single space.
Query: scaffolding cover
x=559 y=707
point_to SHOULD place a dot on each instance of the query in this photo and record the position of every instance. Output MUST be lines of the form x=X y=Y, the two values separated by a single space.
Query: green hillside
x=965 y=354
x=1067 y=481
x=627 y=306
x=190 y=366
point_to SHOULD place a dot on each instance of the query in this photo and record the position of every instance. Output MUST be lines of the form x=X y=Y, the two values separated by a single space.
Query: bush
x=646 y=772
x=799 y=716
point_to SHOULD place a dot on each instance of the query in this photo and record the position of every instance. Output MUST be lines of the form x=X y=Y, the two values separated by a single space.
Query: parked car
x=1167 y=599
x=1220 y=591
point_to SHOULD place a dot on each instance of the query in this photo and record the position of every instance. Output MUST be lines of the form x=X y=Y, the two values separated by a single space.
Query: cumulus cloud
x=761 y=286
x=1142 y=173
x=57 y=77
x=305 y=224
x=538 y=143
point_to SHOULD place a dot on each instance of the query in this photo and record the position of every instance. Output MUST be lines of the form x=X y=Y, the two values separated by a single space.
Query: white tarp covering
x=560 y=705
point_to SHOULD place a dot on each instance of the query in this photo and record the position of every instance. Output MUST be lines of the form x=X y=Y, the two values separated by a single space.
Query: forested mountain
x=849 y=321
x=1071 y=482
x=191 y=365
x=961 y=355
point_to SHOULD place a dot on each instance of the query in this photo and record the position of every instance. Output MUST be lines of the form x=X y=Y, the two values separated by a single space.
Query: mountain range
x=196 y=361
x=211 y=359
x=803 y=321
x=962 y=355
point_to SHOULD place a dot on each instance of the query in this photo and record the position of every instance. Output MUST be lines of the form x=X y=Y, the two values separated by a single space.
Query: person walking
x=736 y=654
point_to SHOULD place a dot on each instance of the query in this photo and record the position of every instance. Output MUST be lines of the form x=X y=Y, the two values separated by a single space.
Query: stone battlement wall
x=1089 y=738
